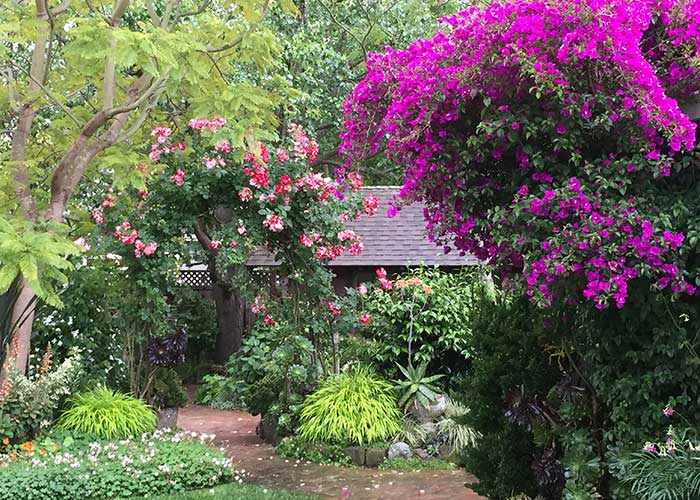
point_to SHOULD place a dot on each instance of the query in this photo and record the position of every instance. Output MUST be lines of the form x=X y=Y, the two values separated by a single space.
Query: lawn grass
x=235 y=491
x=415 y=463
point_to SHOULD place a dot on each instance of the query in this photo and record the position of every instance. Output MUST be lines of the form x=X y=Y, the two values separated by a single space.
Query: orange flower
x=6 y=441
x=42 y=453
x=27 y=446
x=401 y=283
x=427 y=290
x=13 y=456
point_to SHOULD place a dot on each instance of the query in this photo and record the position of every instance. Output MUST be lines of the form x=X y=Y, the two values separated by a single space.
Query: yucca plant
x=108 y=414
x=416 y=386
x=351 y=408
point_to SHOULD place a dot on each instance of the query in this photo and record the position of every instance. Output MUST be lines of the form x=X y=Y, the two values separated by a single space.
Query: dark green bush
x=507 y=354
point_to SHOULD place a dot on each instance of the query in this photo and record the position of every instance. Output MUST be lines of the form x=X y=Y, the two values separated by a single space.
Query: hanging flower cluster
x=540 y=134
x=129 y=236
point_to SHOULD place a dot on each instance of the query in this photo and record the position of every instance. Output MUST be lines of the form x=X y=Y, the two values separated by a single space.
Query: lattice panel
x=197 y=280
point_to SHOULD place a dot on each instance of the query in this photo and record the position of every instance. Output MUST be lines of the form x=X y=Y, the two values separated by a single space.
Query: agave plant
x=416 y=386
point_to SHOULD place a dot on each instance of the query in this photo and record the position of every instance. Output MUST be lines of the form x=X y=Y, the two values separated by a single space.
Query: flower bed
x=159 y=463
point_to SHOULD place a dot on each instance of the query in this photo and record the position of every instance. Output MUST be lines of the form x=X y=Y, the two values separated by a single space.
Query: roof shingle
x=399 y=241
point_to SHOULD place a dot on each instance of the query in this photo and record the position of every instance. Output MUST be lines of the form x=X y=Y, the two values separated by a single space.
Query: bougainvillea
x=546 y=138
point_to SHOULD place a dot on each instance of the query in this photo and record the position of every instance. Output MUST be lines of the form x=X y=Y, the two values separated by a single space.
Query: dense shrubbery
x=161 y=463
x=29 y=406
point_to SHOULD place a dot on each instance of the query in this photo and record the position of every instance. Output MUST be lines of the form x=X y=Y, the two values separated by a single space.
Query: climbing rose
x=178 y=177
x=370 y=204
x=245 y=194
x=305 y=240
x=274 y=223
x=269 y=321
x=161 y=134
x=215 y=245
x=364 y=318
x=334 y=309
x=82 y=244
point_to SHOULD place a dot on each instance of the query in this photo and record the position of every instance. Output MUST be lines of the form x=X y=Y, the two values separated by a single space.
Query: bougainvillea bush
x=547 y=138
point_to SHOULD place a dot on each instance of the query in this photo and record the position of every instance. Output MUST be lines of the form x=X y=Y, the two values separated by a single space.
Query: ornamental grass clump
x=351 y=408
x=108 y=414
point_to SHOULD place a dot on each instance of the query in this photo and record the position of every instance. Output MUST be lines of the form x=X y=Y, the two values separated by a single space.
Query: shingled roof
x=399 y=241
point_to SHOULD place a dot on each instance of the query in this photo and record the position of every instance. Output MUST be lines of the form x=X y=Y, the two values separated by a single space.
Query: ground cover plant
x=235 y=492
x=151 y=464
x=410 y=464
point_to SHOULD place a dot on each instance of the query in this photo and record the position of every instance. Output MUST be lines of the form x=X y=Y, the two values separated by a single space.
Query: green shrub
x=108 y=414
x=351 y=408
x=441 y=328
x=508 y=354
x=452 y=426
x=168 y=390
x=329 y=454
x=29 y=405
x=415 y=463
x=161 y=463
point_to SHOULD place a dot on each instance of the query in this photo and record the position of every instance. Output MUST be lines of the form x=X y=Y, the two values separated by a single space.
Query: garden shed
x=392 y=243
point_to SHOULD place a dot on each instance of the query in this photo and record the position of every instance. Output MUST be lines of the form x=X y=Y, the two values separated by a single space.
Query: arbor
x=234 y=203
x=80 y=81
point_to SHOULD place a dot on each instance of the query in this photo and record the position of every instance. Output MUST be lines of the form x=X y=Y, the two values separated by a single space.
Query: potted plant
x=420 y=394
x=168 y=396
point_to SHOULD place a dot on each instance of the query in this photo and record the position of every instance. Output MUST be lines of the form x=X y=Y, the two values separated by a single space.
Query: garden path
x=235 y=432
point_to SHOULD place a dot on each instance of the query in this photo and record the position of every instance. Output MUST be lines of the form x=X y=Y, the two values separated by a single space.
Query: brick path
x=235 y=431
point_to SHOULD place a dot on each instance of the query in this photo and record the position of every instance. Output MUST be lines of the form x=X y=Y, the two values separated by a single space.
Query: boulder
x=421 y=453
x=400 y=450
x=375 y=456
x=356 y=454
x=431 y=412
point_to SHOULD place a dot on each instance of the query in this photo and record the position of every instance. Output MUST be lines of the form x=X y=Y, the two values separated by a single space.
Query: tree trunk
x=232 y=320
x=22 y=320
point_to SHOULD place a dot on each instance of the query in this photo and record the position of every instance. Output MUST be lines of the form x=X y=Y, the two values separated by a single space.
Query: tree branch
x=63 y=6
x=152 y=13
x=251 y=28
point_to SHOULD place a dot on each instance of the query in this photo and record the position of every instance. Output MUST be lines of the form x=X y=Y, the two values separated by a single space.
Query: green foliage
x=235 y=491
x=356 y=408
x=104 y=413
x=507 y=342
x=441 y=305
x=411 y=464
x=159 y=464
x=452 y=425
x=673 y=476
x=412 y=433
x=28 y=406
x=416 y=387
x=168 y=390
x=38 y=254
x=320 y=453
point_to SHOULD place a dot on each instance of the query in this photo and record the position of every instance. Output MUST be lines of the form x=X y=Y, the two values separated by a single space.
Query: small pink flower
x=151 y=248
x=305 y=240
x=245 y=194
x=242 y=230
x=215 y=245
x=668 y=411
x=82 y=244
x=161 y=134
x=364 y=318
x=108 y=203
x=269 y=321
x=223 y=146
x=362 y=289
x=651 y=448
x=274 y=223
x=282 y=155
x=178 y=177
x=97 y=216
x=334 y=309
x=233 y=244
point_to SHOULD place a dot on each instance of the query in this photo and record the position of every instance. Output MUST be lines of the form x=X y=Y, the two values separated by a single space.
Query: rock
x=167 y=418
x=356 y=454
x=400 y=449
x=375 y=456
x=421 y=453
x=431 y=412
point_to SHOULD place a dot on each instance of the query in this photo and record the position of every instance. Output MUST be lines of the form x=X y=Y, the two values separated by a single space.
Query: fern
x=358 y=408
x=458 y=435
x=107 y=414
